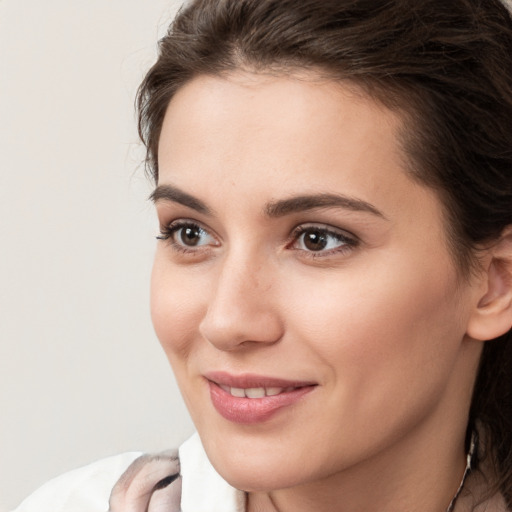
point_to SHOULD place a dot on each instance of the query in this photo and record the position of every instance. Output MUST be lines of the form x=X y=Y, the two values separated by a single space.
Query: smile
x=251 y=399
x=256 y=392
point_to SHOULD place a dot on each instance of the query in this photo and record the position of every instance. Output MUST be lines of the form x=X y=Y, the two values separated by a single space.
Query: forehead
x=280 y=122
x=258 y=96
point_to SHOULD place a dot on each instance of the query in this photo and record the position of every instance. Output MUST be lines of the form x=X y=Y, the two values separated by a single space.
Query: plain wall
x=81 y=373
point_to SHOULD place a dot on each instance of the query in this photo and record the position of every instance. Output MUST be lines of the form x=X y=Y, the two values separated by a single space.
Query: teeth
x=255 y=392
x=273 y=391
x=239 y=392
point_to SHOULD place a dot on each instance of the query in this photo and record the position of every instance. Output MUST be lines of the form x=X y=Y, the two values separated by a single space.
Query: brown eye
x=315 y=240
x=320 y=239
x=184 y=235
x=190 y=236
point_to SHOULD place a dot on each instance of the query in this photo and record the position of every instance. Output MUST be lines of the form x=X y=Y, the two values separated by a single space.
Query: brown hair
x=447 y=66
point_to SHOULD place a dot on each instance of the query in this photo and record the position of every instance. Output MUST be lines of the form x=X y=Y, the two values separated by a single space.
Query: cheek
x=176 y=308
x=377 y=324
x=386 y=344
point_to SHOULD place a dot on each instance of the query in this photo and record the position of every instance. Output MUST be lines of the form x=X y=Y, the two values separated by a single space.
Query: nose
x=242 y=310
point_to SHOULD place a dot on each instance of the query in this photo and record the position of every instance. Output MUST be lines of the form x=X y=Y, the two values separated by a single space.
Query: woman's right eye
x=187 y=236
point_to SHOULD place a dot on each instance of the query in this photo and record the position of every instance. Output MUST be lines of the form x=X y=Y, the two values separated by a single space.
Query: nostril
x=241 y=327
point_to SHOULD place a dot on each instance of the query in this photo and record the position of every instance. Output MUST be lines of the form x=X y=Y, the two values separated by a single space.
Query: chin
x=250 y=477
x=252 y=468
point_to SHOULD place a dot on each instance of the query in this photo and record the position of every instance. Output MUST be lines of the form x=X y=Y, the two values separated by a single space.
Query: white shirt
x=88 y=489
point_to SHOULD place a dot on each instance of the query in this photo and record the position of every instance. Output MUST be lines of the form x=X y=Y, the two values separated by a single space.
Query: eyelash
x=167 y=234
x=348 y=241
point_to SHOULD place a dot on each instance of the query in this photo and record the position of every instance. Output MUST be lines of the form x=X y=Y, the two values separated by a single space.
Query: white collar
x=203 y=489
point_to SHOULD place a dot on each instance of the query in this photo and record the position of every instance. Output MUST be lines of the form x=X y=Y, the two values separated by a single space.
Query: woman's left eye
x=321 y=240
x=187 y=235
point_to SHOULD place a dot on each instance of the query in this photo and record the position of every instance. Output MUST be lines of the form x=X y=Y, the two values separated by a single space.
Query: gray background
x=81 y=373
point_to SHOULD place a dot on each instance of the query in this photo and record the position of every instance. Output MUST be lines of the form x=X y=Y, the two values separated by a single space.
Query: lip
x=251 y=380
x=248 y=411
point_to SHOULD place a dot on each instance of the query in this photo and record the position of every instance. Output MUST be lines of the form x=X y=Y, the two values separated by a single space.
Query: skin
x=378 y=320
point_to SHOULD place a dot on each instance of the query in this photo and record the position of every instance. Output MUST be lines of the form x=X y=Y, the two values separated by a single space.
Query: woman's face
x=303 y=290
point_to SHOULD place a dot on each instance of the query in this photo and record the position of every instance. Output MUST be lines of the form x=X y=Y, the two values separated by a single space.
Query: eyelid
x=348 y=239
x=168 y=230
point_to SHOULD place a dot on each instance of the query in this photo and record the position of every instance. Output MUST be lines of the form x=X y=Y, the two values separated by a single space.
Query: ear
x=492 y=315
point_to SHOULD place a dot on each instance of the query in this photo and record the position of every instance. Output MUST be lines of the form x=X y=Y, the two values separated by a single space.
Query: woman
x=333 y=278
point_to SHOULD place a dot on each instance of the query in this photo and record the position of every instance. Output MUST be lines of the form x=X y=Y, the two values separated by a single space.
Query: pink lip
x=253 y=410
x=250 y=380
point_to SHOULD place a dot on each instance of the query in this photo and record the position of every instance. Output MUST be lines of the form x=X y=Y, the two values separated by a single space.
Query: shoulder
x=85 y=489
x=181 y=480
x=476 y=495
x=185 y=482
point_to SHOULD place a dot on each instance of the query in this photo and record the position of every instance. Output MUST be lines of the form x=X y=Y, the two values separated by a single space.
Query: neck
x=419 y=472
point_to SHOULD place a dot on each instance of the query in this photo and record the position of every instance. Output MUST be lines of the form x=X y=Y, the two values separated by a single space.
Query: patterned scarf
x=152 y=483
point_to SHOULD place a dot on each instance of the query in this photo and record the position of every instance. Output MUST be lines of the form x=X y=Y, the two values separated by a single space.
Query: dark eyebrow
x=273 y=209
x=311 y=202
x=172 y=193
